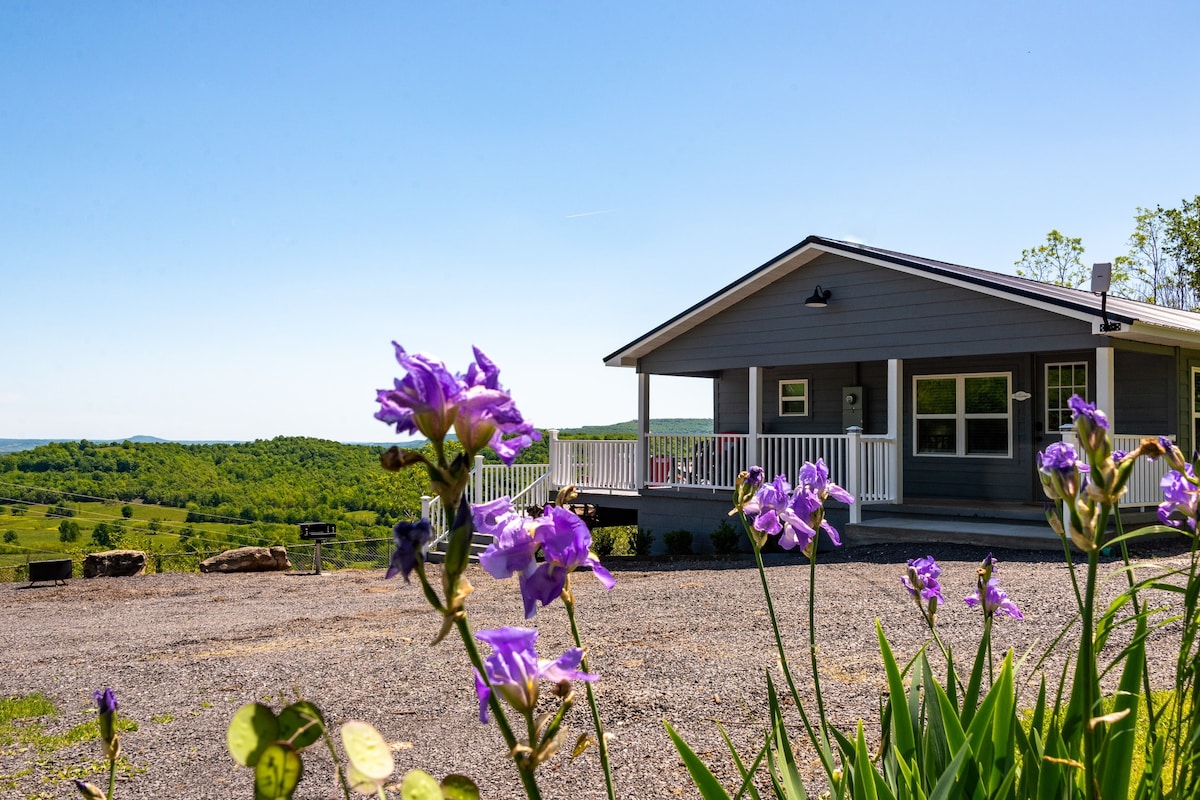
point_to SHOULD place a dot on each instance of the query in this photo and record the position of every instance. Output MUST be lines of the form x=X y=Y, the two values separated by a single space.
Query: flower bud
x=89 y=791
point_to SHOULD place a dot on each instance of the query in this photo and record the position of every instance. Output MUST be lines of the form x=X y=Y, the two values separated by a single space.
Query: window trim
x=807 y=405
x=1195 y=414
x=1046 y=389
x=960 y=416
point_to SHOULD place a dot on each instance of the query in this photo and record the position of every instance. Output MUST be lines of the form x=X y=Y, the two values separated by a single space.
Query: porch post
x=477 y=481
x=854 y=471
x=1106 y=381
x=754 y=427
x=552 y=435
x=895 y=427
x=643 y=429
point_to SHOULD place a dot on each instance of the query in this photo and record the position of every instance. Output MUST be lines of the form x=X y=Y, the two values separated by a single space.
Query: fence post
x=854 y=471
x=425 y=501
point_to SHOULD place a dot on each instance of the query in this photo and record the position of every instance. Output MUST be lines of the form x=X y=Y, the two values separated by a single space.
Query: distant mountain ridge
x=676 y=425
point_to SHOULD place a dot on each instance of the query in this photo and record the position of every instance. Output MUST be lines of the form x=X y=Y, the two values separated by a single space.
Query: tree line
x=1161 y=266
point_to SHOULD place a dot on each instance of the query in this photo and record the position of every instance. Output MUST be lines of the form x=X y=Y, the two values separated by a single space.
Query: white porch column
x=552 y=435
x=755 y=421
x=895 y=425
x=643 y=429
x=1106 y=385
x=477 y=482
x=854 y=471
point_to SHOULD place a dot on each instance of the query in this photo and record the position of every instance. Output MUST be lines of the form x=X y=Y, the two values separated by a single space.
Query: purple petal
x=484 y=693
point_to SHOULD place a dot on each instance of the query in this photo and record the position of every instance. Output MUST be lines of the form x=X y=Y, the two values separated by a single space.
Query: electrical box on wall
x=852 y=406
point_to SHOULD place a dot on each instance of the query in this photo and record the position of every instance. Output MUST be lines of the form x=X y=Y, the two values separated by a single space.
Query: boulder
x=248 y=559
x=114 y=564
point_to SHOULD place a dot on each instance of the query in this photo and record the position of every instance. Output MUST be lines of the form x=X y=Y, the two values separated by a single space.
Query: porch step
x=896 y=528
x=479 y=543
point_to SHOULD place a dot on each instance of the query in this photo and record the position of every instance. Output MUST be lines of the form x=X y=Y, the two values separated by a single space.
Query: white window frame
x=782 y=399
x=1195 y=413
x=960 y=416
x=1046 y=387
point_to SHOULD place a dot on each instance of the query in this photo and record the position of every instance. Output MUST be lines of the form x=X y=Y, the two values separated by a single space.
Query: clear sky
x=215 y=217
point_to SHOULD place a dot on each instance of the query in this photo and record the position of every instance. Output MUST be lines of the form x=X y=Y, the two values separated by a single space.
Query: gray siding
x=1145 y=392
x=875 y=314
x=825 y=383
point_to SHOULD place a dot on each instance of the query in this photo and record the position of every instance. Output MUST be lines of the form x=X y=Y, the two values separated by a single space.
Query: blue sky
x=215 y=217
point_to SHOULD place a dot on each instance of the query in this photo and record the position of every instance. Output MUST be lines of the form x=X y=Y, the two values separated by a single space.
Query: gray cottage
x=927 y=387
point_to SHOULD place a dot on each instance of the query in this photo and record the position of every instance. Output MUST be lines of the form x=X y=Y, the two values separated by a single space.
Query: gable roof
x=1138 y=321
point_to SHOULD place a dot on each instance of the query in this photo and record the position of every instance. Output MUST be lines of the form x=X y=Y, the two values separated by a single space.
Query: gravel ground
x=683 y=641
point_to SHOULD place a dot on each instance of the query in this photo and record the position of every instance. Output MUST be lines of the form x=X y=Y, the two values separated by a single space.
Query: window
x=963 y=415
x=1195 y=404
x=793 y=398
x=1062 y=381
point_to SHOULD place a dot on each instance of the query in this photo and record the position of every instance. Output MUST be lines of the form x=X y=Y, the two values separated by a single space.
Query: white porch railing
x=1145 y=482
x=713 y=462
x=488 y=482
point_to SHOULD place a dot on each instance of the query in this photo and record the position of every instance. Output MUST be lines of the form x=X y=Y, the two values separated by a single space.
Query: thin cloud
x=589 y=214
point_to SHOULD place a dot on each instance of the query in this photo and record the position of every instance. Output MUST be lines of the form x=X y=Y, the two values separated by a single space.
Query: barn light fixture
x=820 y=298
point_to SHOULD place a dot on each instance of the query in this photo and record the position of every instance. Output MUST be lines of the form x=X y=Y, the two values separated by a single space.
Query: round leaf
x=301 y=724
x=361 y=784
x=277 y=772
x=459 y=787
x=367 y=751
x=418 y=785
x=252 y=728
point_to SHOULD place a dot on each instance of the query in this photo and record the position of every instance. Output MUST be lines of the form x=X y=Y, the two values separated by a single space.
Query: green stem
x=1090 y=690
x=569 y=602
x=112 y=777
x=812 y=642
x=1151 y=714
x=787 y=672
x=526 y=771
x=987 y=635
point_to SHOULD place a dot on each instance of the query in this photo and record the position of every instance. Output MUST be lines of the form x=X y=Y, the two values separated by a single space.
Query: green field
x=160 y=531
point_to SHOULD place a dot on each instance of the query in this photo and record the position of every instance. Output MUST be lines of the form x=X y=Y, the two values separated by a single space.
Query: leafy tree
x=1147 y=261
x=68 y=531
x=60 y=511
x=104 y=535
x=1164 y=255
x=10 y=537
x=1058 y=261
x=127 y=511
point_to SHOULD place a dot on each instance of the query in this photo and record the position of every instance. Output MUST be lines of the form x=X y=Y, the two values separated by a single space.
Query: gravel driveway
x=683 y=641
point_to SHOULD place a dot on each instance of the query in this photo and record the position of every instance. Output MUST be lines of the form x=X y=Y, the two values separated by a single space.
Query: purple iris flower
x=89 y=791
x=411 y=539
x=1059 y=470
x=755 y=477
x=993 y=600
x=773 y=512
x=513 y=669
x=1180 y=494
x=816 y=477
x=921 y=580
x=513 y=548
x=1058 y=457
x=431 y=400
x=1119 y=455
x=1088 y=411
x=106 y=701
x=566 y=542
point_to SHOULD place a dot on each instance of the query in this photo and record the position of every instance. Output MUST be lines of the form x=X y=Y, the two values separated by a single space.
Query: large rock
x=114 y=564
x=248 y=559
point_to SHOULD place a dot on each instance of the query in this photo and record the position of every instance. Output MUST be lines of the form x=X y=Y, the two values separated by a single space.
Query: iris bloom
x=988 y=594
x=921 y=580
x=411 y=539
x=514 y=670
x=1180 y=495
x=773 y=513
x=431 y=400
x=563 y=537
x=106 y=703
x=1058 y=469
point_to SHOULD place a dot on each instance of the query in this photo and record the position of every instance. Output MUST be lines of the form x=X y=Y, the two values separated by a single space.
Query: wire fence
x=335 y=555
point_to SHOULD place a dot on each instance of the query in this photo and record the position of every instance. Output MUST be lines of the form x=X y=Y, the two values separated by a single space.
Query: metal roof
x=1139 y=321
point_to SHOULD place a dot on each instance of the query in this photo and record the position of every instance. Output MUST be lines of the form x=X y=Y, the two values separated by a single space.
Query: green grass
x=30 y=727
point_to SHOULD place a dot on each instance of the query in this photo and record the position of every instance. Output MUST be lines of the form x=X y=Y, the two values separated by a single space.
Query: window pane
x=936 y=396
x=986 y=436
x=987 y=395
x=1196 y=391
x=1081 y=379
x=936 y=436
x=1053 y=381
x=794 y=407
x=792 y=389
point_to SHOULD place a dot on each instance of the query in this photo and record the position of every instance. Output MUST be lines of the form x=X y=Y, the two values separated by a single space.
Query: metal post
x=317 y=557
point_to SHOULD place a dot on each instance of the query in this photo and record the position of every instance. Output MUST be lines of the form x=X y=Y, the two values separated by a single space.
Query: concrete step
x=906 y=528
x=479 y=543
